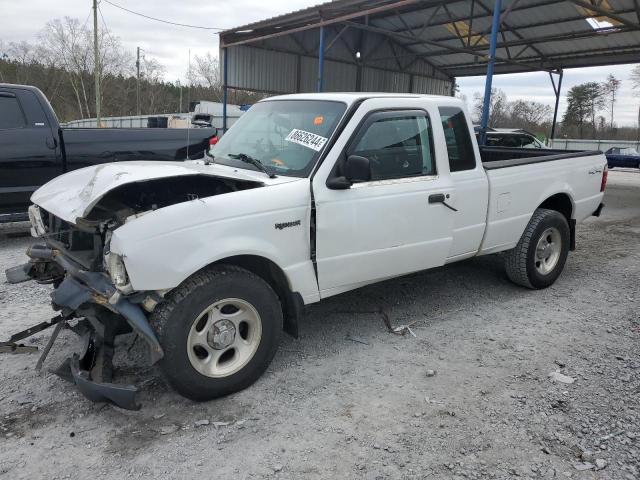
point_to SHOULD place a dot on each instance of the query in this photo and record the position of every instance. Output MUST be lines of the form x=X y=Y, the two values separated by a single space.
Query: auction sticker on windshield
x=306 y=139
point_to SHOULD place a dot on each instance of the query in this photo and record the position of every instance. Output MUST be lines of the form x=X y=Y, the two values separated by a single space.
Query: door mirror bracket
x=338 y=183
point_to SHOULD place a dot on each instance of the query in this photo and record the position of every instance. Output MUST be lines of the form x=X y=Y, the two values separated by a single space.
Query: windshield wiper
x=243 y=157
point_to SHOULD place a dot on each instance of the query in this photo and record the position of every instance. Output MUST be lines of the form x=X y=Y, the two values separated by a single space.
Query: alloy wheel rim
x=548 y=251
x=224 y=337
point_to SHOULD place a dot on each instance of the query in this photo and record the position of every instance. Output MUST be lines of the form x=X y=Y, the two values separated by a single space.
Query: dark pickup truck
x=34 y=148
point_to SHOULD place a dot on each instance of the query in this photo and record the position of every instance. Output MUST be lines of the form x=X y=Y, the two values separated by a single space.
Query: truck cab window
x=11 y=115
x=459 y=146
x=397 y=146
x=527 y=141
x=510 y=141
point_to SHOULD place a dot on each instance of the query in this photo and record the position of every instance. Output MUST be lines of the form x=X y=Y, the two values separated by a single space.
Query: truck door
x=470 y=184
x=29 y=152
x=387 y=226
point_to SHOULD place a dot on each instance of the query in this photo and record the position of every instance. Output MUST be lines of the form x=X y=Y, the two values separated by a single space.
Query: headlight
x=117 y=270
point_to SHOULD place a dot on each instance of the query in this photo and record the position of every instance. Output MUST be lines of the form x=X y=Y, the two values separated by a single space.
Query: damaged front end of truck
x=76 y=261
x=92 y=292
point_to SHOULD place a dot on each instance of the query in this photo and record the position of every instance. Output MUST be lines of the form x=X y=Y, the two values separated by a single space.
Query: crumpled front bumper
x=92 y=371
x=123 y=396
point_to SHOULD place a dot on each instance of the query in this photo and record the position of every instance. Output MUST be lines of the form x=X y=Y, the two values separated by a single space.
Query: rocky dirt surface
x=469 y=397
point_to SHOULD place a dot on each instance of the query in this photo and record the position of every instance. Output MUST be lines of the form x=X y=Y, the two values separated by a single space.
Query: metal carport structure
x=421 y=46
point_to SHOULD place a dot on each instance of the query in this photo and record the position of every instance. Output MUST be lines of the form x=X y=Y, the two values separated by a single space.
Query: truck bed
x=570 y=181
x=502 y=157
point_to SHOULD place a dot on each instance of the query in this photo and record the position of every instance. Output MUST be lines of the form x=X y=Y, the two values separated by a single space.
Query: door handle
x=441 y=198
x=51 y=143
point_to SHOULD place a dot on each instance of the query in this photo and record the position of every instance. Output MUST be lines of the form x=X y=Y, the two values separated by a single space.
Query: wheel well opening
x=559 y=202
x=275 y=277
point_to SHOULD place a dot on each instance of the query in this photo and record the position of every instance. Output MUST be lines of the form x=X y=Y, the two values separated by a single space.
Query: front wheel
x=219 y=330
x=539 y=257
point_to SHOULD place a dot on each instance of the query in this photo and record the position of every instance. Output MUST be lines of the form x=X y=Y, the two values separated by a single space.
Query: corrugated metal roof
x=431 y=39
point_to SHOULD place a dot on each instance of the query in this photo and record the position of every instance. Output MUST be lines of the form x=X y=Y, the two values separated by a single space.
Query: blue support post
x=555 y=109
x=321 y=59
x=495 y=27
x=225 y=76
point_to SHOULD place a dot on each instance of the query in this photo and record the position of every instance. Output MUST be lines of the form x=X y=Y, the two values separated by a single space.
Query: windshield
x=286 y=136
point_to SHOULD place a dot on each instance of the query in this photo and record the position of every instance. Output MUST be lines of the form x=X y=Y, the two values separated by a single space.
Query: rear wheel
x=539 y=258
x=219 y=330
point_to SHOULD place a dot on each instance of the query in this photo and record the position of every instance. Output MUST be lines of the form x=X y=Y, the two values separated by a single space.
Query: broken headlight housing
x=117 y=270
x=37 y=225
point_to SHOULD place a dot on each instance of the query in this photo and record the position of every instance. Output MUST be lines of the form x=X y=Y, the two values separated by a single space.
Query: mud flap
x=598 y=210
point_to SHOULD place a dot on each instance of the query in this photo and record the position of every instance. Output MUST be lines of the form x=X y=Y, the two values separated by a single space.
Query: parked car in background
x=511 y=138
x=205 y=113
x=34 y=148
x=305 y=197
x=623 y=157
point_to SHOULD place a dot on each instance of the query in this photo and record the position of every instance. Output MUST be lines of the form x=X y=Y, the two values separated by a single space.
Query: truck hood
x=74 y=194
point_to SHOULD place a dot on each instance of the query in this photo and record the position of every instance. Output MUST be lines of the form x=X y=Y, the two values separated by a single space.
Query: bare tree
x=66 y=41
x=22 y=55
x=498 y=112
x=69 y=44
x=152 y=72
x=4 y=57
x=635 y=79
x=528 y=114
x=205 y=72
x=595 y=101
x=610 y=90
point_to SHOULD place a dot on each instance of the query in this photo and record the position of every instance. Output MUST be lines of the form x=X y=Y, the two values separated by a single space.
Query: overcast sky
x=171 y=44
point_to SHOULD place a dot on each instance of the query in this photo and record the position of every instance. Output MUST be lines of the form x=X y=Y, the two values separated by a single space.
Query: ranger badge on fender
x=283 y=225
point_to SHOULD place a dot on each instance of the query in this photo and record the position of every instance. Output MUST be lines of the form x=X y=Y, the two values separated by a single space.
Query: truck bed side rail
x=501 y=157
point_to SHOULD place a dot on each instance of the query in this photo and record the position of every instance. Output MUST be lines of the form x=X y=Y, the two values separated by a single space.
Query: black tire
x=521 y=261
x=174 y=317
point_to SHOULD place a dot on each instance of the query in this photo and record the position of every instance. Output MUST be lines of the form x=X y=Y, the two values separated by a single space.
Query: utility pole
x=96 y=60
x=180 y=87
x=138 y=81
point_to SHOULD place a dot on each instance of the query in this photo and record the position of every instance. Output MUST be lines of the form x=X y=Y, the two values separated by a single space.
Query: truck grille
x=66 y=234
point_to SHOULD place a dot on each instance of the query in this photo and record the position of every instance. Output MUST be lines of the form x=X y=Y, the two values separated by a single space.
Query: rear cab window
x=459 y=145
x=11 y=114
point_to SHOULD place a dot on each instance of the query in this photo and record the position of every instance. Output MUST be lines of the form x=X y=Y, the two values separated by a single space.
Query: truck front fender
x=163 y=248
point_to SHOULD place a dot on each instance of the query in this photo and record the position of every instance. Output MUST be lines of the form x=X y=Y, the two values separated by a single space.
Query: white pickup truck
x=305 y=197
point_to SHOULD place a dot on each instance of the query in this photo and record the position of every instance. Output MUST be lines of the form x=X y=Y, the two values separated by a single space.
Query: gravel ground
x=469 y=397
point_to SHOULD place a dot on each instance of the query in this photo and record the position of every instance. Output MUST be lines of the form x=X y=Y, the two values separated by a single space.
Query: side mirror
x=356 y=169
